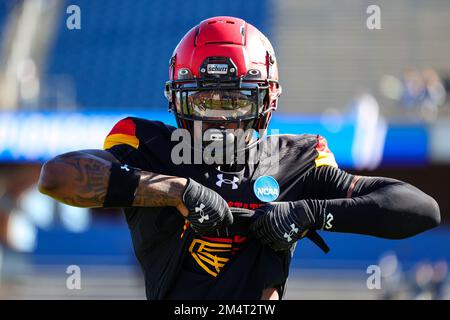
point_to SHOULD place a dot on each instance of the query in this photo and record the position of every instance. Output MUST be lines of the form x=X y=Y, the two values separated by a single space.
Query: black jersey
x=229 y=264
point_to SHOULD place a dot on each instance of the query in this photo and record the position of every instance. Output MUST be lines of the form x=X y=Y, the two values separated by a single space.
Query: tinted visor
x=231 y=104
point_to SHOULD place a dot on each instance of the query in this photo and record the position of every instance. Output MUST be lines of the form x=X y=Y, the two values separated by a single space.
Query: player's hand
x=207 y=209
x=281 y=224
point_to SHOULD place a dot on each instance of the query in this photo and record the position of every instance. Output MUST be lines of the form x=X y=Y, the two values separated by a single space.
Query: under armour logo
x=329 y=220
x=203 y=216
x=293 y=231
x=125 y=167
x=233 y=182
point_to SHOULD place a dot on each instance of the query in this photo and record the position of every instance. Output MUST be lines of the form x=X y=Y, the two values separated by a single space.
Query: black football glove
x=207 y=209
x=281 y=224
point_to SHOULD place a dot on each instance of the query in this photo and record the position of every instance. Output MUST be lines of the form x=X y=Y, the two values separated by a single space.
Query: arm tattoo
x=89 y=178
x=90 y=181
x=156 y=190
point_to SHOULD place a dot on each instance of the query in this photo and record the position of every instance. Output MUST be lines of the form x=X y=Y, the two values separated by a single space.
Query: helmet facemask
x=222 y=111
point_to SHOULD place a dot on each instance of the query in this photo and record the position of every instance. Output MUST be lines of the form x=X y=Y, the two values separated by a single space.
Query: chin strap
x=317 y=240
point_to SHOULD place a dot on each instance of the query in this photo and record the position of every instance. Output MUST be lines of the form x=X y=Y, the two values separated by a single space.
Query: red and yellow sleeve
x=124 y=132
x=324 y=156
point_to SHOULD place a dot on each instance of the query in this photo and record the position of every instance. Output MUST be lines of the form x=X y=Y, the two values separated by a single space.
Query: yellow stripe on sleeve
x=119 y=138
x=326 y=158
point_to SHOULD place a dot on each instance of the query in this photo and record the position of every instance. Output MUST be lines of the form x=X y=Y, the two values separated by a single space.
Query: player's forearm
x=396 y=210
x=76 y=178
x=377 y=206
x=157 y=190
x=81 y=179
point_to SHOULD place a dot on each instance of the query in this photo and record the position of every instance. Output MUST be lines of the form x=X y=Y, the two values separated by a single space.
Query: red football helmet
x=224 y=73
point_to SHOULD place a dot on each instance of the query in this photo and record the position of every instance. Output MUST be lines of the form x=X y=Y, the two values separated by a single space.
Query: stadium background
x=380 y=97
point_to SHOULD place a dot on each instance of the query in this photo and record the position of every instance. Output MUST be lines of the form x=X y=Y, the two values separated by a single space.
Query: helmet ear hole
x=168 y=93
x=280 y=89
x=275 y=89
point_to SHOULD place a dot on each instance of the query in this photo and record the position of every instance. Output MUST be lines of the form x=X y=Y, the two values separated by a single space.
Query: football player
x=180 y=202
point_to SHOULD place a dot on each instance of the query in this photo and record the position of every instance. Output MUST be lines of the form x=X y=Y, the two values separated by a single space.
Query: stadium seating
x=119 y=58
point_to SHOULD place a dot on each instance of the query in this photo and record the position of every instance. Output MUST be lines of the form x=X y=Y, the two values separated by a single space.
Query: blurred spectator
x=439 y=280
x=391 y=276
x=413 y=89
x=421 y=286
x=435 y=94
x=370 y=132
x=16 y=231
x=429 y=281
x=419 y=92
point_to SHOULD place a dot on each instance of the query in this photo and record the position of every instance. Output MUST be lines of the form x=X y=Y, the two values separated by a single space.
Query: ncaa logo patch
x=266 y=188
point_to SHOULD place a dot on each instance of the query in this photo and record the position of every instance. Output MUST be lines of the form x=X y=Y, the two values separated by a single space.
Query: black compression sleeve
x=375 y=206
x=122 y=186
